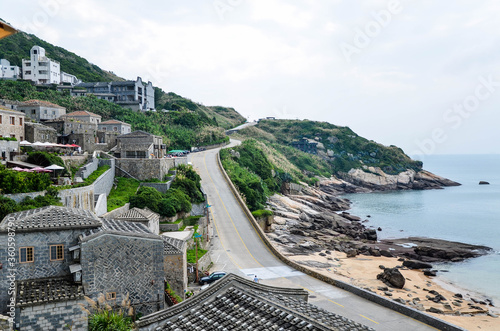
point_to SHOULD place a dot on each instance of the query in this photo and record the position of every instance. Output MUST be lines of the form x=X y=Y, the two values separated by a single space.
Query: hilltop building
x=8 y=71
x=43 y=70
x=41 y=111
x=135 y=95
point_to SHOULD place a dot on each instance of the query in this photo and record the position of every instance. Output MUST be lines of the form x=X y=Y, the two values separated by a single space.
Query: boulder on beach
x=393 y=277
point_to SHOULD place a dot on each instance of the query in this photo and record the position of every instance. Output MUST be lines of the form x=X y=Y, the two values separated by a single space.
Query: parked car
x=212 y=278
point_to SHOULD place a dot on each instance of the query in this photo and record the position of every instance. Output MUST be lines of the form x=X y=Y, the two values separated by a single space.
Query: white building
x=40 y=68
x=8 y=71
x=69 y=79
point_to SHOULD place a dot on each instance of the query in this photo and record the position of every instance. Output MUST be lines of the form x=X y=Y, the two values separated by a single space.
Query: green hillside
x=181 y=129
x=340 y=147
x=18 y=46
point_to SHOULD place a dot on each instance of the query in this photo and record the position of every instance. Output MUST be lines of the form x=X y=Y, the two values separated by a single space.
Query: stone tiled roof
x=138 y=214
x=42 y=291
x=172 y=246
x=119 y=227
x=50 y=218
x=36 y=102
x=136 y=133
x=113 y=122
x=236 y=303
x=81 y=113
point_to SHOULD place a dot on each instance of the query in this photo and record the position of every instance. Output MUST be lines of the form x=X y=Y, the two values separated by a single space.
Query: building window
x=115 y=128
x=12 y=120
x=45 y=111
x=104 y=128
x=0 y=119
x=26 y=254
x=56 y=252
x=111 y=296
x=27 y=72
x=20 y=121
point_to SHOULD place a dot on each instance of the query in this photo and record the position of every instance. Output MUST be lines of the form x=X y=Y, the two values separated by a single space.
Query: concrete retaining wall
x=171 y=226
x=18 y=197
x=161 y=187
x=104 y=183
x=144 y=169
x=400 y=308
x=101 y=205
x=88 y=169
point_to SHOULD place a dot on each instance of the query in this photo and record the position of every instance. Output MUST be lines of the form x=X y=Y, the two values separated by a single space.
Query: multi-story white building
x=8 y=71
x=40 y=68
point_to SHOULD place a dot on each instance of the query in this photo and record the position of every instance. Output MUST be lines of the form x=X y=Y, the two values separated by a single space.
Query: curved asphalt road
x=236 y=247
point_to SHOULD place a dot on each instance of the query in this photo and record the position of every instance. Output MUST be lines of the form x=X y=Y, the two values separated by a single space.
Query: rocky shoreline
x=312 y=221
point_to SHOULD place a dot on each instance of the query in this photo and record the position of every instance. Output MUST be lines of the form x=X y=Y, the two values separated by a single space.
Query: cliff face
x=374 y=178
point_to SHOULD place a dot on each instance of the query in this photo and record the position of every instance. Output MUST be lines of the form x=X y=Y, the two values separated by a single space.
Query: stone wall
x=54 y=316
x=42 y=266
x=176 y=272
x=38 y=132
x=198 y=209
x=5 y=324
x=143 y=169
x=125 y=264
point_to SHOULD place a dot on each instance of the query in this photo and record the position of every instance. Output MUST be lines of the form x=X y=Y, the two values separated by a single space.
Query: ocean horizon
x=469 y=213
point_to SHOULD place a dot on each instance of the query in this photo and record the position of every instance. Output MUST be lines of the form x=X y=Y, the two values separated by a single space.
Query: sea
x=469 y=213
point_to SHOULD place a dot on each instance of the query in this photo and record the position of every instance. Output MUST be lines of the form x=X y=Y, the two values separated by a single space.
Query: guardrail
x=400 y=308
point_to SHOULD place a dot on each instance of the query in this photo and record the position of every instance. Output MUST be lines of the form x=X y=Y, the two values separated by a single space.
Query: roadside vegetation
x=184 y=191
x=121 y=193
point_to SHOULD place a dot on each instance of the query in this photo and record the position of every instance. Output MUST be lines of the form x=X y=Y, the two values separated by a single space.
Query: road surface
x=237 y=247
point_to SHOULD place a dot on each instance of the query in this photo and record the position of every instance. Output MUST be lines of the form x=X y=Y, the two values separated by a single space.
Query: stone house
x=38 y=132
x=70 y=252
x=115 y=126
x=139 y=145
x=11 y=123
x=147 y=217
x=135 y=95
x=121 y=258
x=237 y=303
x=43 y=239
x=83 y=116
x=41 y=111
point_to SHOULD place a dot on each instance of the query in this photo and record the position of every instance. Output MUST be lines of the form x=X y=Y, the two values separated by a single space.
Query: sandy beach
x=362 y=271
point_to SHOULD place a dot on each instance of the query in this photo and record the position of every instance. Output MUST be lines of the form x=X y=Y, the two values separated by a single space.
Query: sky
x=422 y=75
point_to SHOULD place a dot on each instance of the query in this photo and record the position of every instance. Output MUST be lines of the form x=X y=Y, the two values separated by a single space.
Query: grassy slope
x=349 y=150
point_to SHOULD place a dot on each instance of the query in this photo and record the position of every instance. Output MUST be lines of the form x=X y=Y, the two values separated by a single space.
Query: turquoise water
x=469 y=213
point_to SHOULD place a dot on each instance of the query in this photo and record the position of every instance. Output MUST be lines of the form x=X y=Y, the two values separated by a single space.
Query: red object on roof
x=74 y=145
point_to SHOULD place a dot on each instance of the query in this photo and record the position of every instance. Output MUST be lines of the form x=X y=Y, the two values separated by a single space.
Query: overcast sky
x=421 y=75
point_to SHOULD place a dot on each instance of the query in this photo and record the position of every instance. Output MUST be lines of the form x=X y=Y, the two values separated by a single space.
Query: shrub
x=146 y=197
x=262 y=213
